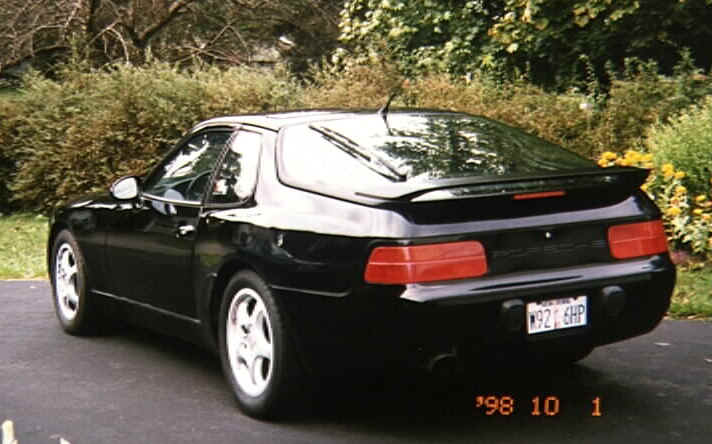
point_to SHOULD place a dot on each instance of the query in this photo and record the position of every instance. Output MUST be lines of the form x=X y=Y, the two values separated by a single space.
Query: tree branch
x=173 y=11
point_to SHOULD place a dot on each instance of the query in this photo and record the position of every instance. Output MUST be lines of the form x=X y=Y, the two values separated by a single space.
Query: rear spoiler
x=487 y=186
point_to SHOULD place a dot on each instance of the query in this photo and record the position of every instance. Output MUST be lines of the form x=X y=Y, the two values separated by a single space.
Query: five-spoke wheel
x=257 y=354
x=249 y=341
x=75 y=312
x=65 y=279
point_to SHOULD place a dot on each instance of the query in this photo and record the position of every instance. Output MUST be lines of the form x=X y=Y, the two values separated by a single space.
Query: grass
x=22 y=256
x=693 y=294
x=22 y=246
x=8 y=92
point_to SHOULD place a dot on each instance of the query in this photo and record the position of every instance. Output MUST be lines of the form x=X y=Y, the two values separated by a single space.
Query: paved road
x=136 y=387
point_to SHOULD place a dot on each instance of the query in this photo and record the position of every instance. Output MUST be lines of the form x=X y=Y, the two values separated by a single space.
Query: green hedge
x=686 y=142
x=78 y=134
x=65 y=137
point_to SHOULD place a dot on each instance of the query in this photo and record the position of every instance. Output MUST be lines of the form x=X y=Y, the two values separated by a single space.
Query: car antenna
x=383 y=112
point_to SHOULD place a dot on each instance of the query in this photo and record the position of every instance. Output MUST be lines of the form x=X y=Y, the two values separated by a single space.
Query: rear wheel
x=75 y=311
x=256 y=351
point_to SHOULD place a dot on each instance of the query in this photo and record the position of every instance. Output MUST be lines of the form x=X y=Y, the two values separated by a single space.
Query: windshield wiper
x=366 y=156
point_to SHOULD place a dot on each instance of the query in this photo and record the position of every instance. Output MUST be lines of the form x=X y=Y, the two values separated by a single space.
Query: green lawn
x=22 y=256
x=22 y=247
x=8 y=92
x=693 y=294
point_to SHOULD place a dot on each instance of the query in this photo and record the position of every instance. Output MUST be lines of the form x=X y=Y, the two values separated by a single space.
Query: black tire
x=76 y=311
x=275 y=383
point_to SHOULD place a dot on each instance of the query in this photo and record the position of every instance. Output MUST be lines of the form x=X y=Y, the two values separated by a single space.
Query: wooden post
x=8 y=433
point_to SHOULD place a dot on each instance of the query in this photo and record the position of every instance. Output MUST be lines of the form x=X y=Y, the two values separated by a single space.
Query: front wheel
x=257 y=354
x=75 y=311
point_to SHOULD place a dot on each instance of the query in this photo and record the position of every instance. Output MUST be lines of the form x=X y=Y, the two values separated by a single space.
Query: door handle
x=184 y=230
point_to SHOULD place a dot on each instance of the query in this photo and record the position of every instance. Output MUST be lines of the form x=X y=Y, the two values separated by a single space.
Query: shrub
x=687 y=217
x=554 y=117
x=62 y=138
x=686 y=142
x=78 y=134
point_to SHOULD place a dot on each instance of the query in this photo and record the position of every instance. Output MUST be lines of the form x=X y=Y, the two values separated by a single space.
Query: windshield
x=364 y=151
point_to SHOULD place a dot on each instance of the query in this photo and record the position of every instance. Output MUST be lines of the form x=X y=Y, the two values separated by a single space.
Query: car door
x=150 y=250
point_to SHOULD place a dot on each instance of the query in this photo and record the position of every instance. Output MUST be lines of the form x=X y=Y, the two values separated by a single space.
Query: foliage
x=22 y=246
x=587 y=124
x=692 y=298
x=61 y=138
x=554 y=42
x=80 y=134
x=224 y=32
x=686 y=142
x=424 y=35
x=687 y=218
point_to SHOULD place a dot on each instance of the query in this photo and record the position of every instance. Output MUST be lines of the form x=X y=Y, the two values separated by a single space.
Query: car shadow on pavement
x=498 y=401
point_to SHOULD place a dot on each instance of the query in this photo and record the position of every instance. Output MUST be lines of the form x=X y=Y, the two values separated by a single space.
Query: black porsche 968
x=299 y=242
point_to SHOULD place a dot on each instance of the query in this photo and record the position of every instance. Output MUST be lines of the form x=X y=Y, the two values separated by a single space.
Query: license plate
x=556 y=314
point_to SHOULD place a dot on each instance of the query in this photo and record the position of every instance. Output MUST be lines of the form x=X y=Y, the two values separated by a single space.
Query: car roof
x=277 y=120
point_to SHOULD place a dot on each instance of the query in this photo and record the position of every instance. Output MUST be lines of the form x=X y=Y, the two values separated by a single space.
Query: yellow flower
x=701 y=198
x=644 y=187
x=632 y=156
x=647 y=157
x=679 y=175
x=680 y=189
x=624 y=162
x=609 y=155
x=706 y=217
x=668 y=169
x=673 y=211
x=698 y=211
x=602 y=162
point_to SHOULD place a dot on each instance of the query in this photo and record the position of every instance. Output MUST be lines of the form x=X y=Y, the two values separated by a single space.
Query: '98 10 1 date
x=539 y=406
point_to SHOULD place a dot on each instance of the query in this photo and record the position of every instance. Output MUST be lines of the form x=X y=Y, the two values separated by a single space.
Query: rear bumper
x=481 y=312
x=408 y=324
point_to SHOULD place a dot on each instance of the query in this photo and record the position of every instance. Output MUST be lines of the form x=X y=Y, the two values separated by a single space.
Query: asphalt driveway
x=134 y=386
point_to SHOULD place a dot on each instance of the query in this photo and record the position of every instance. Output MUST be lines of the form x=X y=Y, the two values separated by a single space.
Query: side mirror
x=125 y=188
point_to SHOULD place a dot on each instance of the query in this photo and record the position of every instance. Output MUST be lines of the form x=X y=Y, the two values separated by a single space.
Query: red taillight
x=637 y=239
x=426 y=263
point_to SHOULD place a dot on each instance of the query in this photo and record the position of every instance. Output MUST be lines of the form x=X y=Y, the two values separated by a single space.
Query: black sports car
x=294 y=243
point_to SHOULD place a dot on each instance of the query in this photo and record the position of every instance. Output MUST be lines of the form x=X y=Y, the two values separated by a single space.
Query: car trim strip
x=186 y=203
x=149 y=307
x=331 y=294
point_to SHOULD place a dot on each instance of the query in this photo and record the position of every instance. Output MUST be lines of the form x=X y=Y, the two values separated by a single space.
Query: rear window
x=366 y=151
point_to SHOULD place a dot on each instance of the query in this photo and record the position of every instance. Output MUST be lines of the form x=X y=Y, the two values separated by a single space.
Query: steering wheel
x=196 y=186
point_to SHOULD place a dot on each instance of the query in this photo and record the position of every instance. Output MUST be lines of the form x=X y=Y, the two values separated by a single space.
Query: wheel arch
x=54 y=231
x=222 y=278
x=220 y=282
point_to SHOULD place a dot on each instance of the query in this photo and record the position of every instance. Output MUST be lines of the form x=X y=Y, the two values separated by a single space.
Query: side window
x=237 y=176
x=184 y=176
